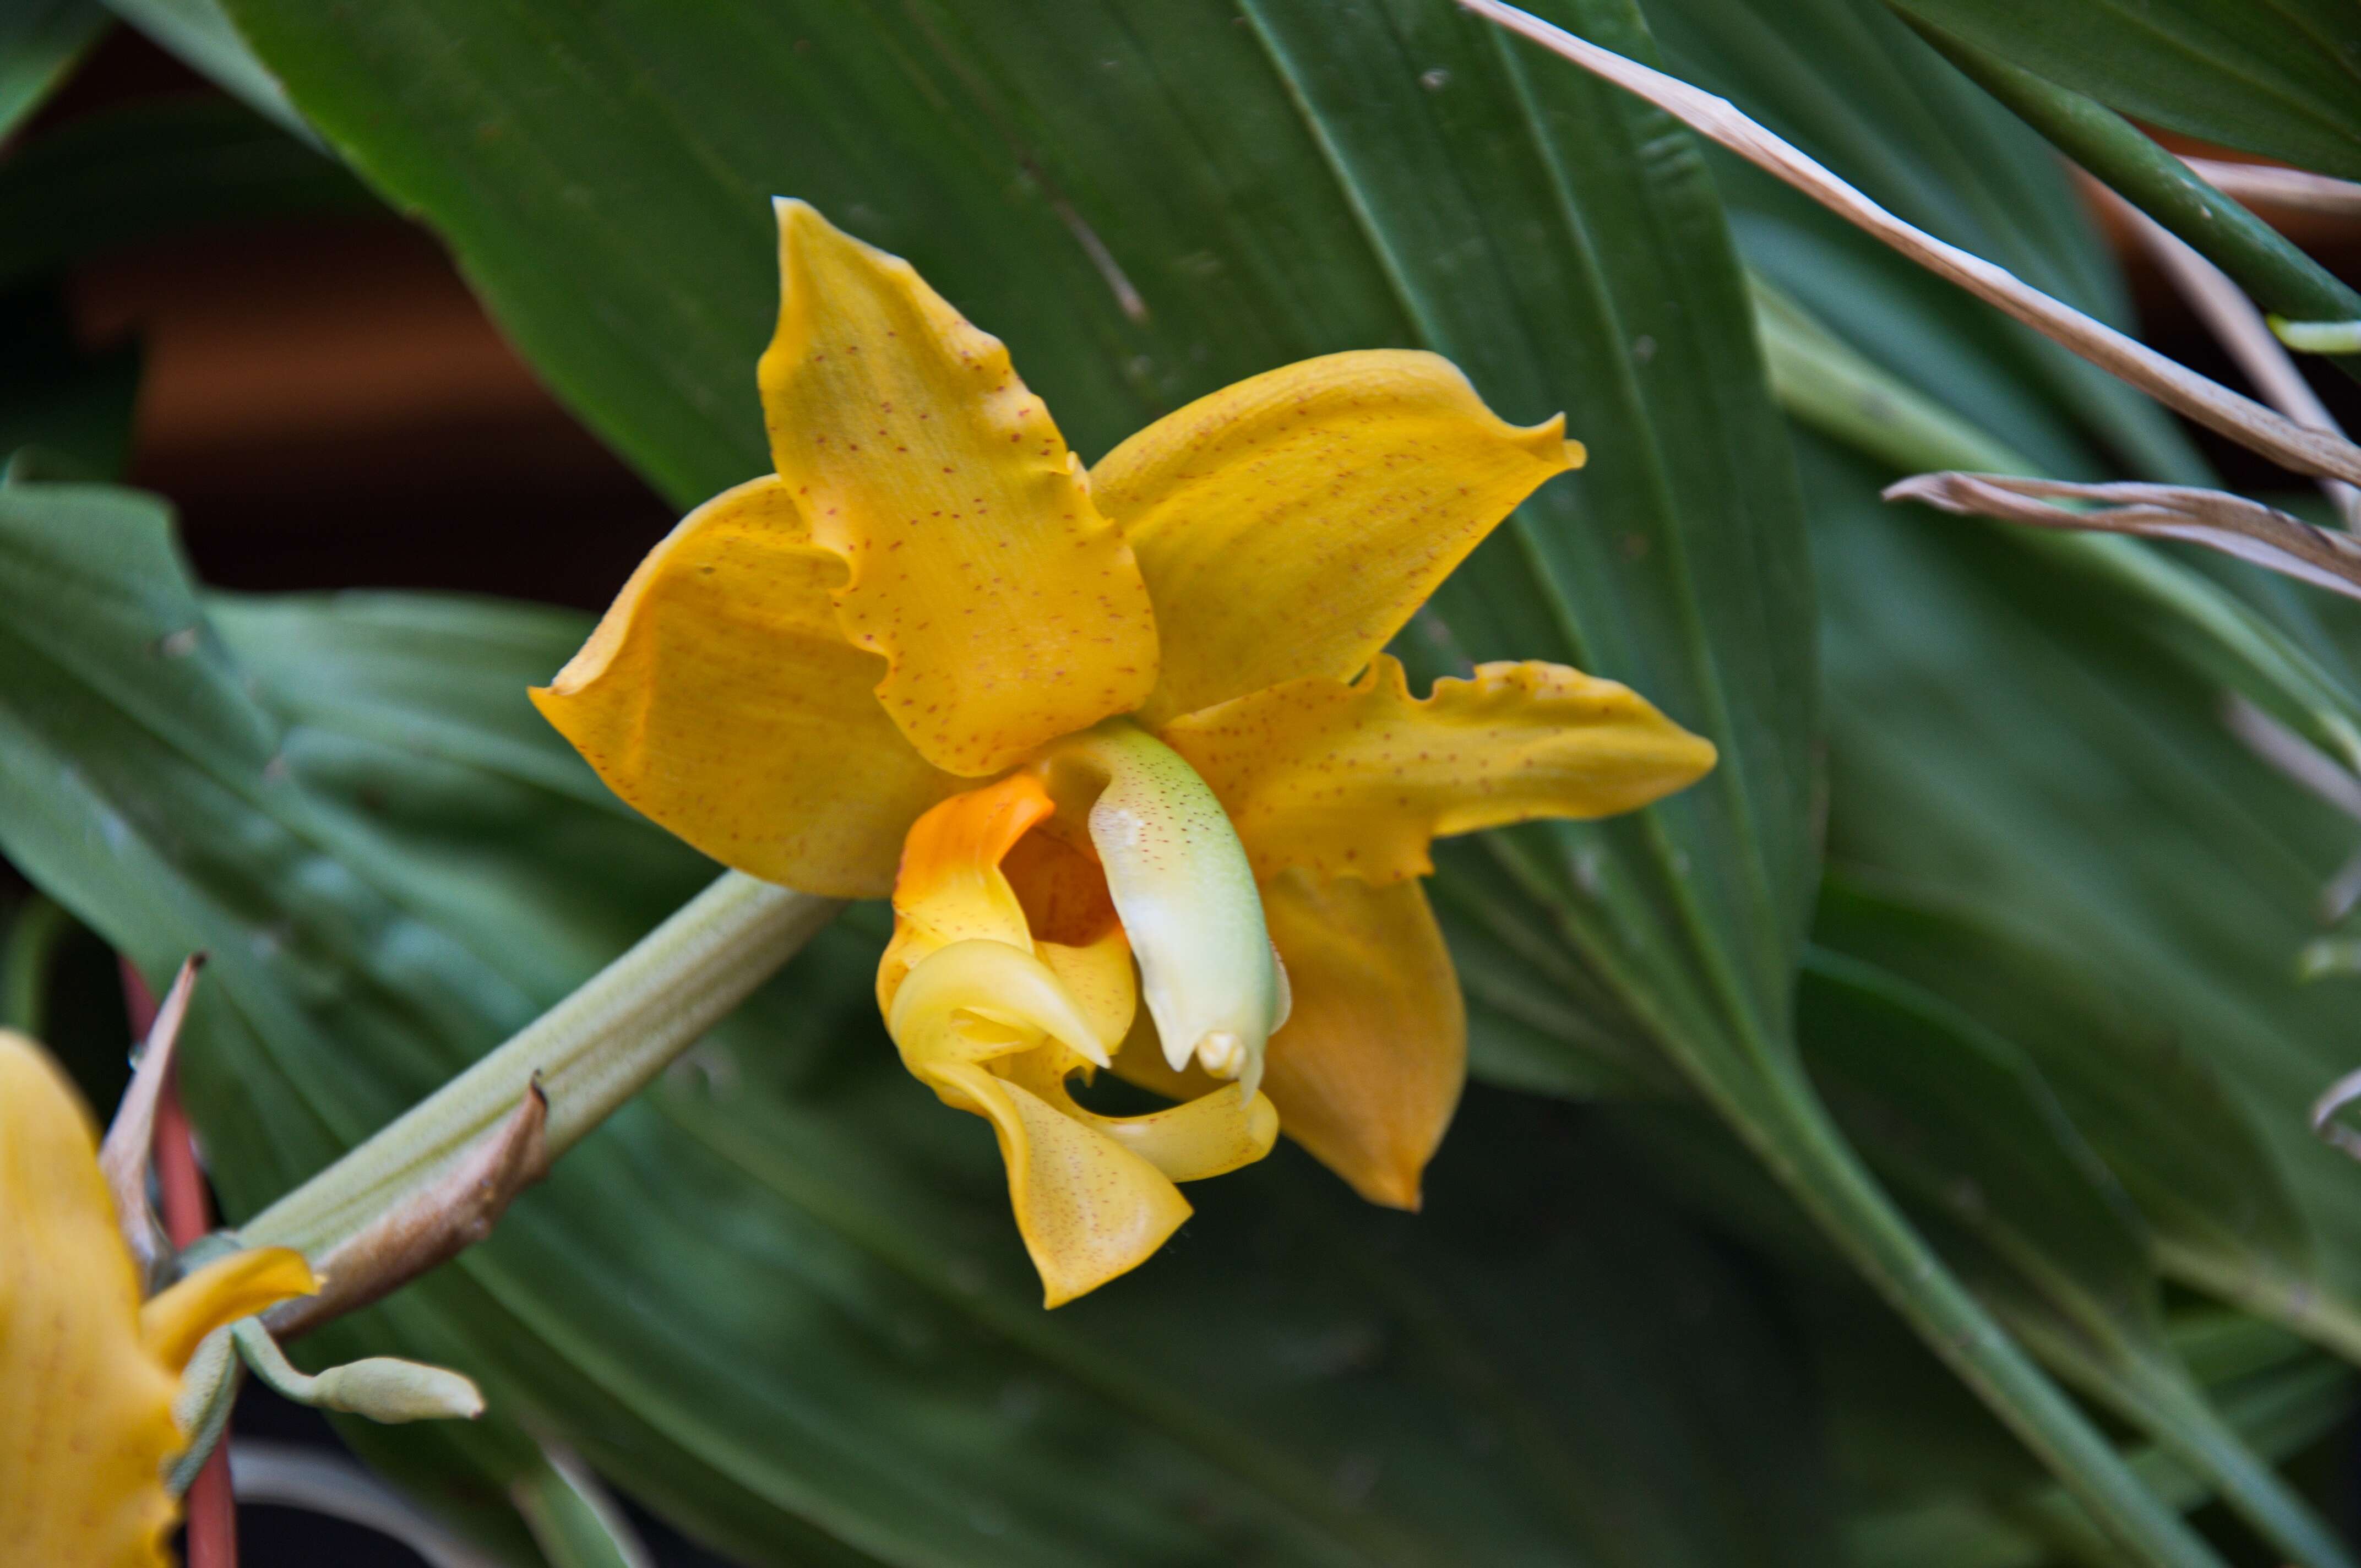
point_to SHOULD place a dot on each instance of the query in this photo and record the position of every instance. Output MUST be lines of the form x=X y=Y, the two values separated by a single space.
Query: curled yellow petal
x=719 y=697
x=1358 y=780
x=973 y=1000
x=1289 y=524
x=1099 y=977
x=996 y=1020
x=1088 y=1208
x=176 y=1321
x=1209 y=1134
x=951 y=887
x=1009 y=611
x=85 y=1410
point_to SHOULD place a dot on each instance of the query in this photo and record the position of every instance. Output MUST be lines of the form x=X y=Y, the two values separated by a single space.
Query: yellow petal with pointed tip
x=1368 y=1067
x=1288 y=525
x=1089 y=1208
x=1358 y=780
x=1008 y=609
x=720 y=697
x=85 y=1410
x=175 y=1321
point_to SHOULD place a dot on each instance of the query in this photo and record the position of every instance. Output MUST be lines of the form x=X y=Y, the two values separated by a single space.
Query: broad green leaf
x=2282 y=79
x=2153 y=1108
x=40 y=43
x=2007 y=742
x=780 y=1297
x=1957 y=1117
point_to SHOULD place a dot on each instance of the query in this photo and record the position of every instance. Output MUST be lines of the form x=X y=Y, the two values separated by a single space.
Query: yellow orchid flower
x=1134 y=715
x=88 y=1372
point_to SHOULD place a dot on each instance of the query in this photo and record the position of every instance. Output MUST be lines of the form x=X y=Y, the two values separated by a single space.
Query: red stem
x=188 y=1214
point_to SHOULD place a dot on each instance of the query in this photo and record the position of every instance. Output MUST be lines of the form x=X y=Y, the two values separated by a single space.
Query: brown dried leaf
x=124 y=1157
x=2232 y=524
x=434 y=1226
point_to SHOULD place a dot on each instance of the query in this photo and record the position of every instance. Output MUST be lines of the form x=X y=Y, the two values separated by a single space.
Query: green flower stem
x=1825 y=383
x=2266 y=264
x=591 y=1052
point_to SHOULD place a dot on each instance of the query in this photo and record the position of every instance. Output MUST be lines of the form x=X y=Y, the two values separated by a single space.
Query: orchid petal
x=1008 y=610
x=1288 y=525
x=1208 y=1135
x=1089 y=1208
x=720 y=697
x=174 y=1321
x=1358 y=780
x=85 y=1397
x=1368 y=1067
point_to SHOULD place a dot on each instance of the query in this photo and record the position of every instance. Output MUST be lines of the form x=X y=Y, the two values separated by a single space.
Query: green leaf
x=2155 y=1110
x=2008 y=743
x=1960 y=1120
x=1857 y=90
x=2283 y=80
x=2279 y=1409
x=574 y=1521
x=41 y=41
x=2264 y=263
x=781 y=1297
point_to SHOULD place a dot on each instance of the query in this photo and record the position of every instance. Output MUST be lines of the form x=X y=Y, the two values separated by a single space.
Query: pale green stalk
x=589 y=1053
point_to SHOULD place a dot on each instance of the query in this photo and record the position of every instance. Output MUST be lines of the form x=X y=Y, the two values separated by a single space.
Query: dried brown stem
x=2169 y=382
x=2272 y=186
x=130 y=1143
x=2240 y=328
x=2232 y=524
x=433 y=1226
